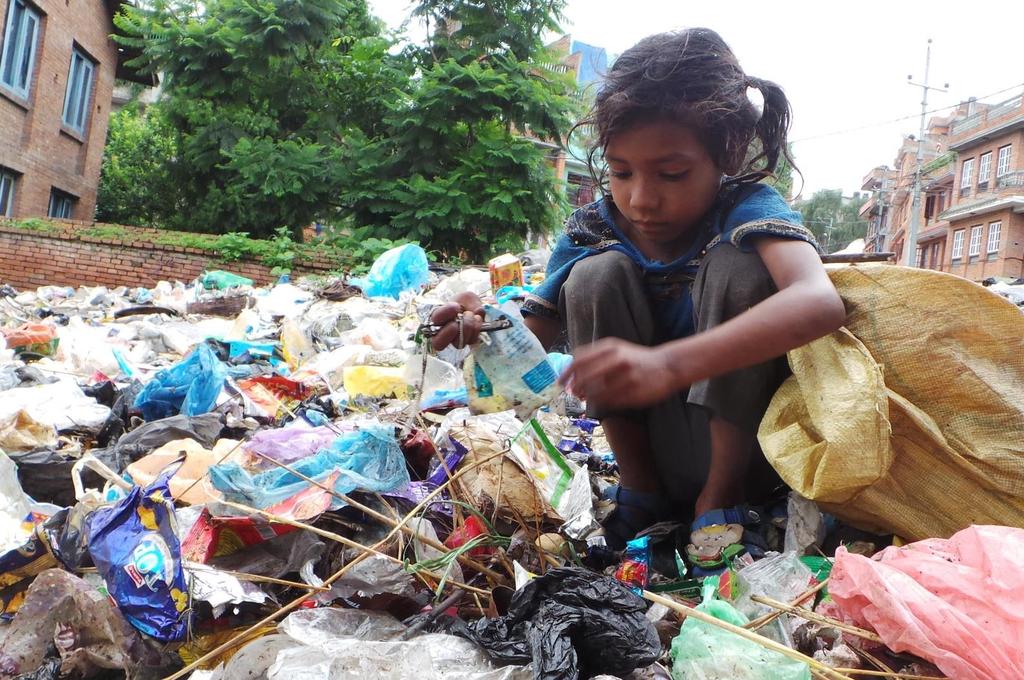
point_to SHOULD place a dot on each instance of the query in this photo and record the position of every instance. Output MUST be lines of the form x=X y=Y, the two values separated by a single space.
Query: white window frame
x=77 y=96
x=974 y=248
x=62 y=204
x=1003 y=160
x=18 y=50
x=966 y=174
x=994 y=229
x=958 y=244
x=7 y=180
x=984 y=168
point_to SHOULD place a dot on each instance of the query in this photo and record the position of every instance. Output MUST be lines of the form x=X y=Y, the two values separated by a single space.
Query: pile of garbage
x=222 y=481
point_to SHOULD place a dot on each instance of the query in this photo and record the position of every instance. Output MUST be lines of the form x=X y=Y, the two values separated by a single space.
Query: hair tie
x=755 y=97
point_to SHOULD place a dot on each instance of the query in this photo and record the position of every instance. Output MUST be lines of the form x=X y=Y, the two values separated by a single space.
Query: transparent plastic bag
x=509 y=369
x=369 y=459
x=781 y=577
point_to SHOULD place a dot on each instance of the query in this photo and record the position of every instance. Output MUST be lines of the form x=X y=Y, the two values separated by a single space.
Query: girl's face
x=662 y=180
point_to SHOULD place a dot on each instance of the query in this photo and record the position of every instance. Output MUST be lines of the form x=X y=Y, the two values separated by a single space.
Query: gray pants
x=605 y=296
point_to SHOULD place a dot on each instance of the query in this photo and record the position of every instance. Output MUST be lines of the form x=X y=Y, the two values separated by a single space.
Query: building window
x=76 y=99
x=62 y=204
x=6 y=193
x=975 y=247
x=994 y=230
x=984 y=170
x=966 y=174
x=958 y=244
x=1003 y=160
x=19 y=48
x=919 y=257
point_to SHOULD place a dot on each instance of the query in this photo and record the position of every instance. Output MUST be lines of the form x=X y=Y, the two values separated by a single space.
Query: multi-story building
x=933 y=147
x=587 y=64
x=880 y=182
x=57 y=69
x=986 y=219
x=971 y=219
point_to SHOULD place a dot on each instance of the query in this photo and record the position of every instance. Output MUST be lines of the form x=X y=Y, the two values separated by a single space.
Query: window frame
x=21 y=50
x=998 y=224
x=67 y=200
x=984 y=163
x=1003 y=160
x=966 y=176
x=9 y=180
x=77 y=99
x=974 y=245
x=958 y=244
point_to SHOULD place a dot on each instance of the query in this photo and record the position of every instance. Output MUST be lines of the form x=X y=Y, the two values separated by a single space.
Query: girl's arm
x=624 y=375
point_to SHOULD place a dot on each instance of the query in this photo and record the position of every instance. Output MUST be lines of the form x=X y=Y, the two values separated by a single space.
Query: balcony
x=966 y=124
x=1010 y=180
x=987 y=124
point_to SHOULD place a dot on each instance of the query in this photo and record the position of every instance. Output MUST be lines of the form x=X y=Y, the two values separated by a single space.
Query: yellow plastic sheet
x=911 y=419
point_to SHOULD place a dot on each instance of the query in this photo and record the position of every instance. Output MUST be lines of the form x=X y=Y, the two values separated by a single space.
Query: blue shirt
x=740 y=213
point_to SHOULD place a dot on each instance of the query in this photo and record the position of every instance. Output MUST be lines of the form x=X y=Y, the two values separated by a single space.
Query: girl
x=682 y=289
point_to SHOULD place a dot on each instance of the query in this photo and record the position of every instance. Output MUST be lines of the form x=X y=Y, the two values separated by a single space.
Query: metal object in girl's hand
x=429 y=330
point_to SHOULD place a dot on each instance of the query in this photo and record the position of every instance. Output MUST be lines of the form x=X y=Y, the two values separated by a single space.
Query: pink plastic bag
x=957 y=602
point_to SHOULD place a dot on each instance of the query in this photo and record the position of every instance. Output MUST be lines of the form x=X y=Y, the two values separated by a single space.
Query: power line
x=897 y=120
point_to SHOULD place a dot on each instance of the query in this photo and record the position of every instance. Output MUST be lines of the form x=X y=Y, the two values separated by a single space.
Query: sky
x=843 y=65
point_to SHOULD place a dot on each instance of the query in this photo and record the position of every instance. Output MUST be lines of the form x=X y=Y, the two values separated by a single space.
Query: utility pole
x=915 y=205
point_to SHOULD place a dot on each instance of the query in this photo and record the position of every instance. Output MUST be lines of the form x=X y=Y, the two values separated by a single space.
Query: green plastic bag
x=703 y=652
x=222 y=280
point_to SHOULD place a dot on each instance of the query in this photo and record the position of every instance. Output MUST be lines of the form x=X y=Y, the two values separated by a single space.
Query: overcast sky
x=843 y=65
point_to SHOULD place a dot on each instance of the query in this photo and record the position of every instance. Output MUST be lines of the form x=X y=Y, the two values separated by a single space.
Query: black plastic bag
x=571 y=623
x=205 y=429
x=45 y=475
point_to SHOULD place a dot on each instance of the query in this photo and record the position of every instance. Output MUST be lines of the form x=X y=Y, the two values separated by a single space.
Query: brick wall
x=67 y=257
x=33 y=140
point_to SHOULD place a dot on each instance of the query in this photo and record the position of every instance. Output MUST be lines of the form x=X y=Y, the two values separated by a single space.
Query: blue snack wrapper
x=135 y=549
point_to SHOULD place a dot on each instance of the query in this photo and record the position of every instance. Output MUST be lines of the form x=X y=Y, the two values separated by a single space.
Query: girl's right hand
x=471 y=309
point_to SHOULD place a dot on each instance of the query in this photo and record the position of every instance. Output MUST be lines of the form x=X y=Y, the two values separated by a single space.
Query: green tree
x=136 y=185
x=452 y=165
x=263 y=97
x=833 y=218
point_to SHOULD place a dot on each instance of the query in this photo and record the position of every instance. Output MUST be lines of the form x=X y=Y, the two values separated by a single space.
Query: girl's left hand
x=615 y=374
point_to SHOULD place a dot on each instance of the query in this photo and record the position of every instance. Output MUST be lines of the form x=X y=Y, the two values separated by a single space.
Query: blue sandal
x=634 y=511
x=717 y=536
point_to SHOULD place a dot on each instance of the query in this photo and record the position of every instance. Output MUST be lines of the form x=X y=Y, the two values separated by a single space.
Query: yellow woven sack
x=911 y=419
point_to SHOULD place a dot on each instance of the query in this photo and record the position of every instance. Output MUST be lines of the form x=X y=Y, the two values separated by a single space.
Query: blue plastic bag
x=190 y=387
x=395 y=271
x=369 y=459
x=136 y=550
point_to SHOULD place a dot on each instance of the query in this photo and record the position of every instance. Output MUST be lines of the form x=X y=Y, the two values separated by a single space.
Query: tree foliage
x=262 y=96
x=136 y=185
x=282 y=112
x=833 y=218
x=452 y=166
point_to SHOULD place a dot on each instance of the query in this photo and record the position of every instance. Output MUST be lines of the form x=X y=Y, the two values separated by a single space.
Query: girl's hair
x=693 y=77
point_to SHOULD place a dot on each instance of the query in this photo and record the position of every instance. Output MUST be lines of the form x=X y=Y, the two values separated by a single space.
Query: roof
x=126 y=54
x=989 y=133
x=1016 y=203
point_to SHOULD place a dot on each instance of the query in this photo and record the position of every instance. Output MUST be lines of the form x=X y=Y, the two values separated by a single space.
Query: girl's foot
x=634 y=511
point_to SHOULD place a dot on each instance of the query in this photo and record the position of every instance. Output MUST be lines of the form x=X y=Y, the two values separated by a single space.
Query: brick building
x=986 y=221
x=57 y=70
x=971 y=220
